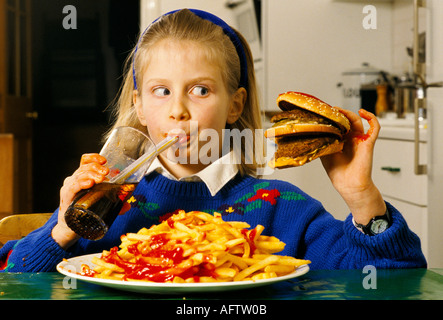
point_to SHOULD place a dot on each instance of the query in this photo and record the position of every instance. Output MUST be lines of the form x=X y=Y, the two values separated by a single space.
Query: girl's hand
x=90 y=172
x=351 y=170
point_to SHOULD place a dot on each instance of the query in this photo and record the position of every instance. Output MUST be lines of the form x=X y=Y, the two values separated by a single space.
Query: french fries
x=195 y=247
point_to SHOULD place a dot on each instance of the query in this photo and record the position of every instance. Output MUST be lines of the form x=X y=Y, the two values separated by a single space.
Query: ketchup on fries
x=194 y=247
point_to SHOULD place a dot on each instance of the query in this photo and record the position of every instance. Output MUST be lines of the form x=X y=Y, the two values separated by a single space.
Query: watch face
x=378 y=226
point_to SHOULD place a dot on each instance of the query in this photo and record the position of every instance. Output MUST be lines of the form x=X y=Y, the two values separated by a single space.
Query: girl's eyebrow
x=160 y=80
x=199 y=79
x=192 y=80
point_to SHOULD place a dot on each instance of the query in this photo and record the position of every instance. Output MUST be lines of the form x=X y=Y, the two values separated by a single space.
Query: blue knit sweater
x=283 y=209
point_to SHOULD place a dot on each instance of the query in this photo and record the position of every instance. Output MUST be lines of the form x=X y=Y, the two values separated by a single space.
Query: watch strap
x=366 y=229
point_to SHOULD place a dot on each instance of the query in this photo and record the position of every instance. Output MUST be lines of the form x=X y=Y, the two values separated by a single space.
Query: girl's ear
x=138 y=107
x=237 y=104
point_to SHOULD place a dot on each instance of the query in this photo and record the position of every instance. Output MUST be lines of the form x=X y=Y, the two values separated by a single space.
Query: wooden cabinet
x=6 y=173
x=15 y=107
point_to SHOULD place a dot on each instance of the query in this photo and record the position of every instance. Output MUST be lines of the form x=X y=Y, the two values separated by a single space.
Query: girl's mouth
x=183 y=136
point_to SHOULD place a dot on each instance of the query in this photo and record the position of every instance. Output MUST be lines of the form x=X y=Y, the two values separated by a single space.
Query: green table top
x=405 y=284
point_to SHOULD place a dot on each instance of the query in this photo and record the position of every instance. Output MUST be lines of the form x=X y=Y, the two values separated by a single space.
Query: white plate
x=72 y=266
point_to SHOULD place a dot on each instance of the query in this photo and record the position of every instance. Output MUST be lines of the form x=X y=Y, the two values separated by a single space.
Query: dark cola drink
x=94 y=210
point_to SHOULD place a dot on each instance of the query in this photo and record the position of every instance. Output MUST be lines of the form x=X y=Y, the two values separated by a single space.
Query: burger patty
x=291 y=146
x=304 y=116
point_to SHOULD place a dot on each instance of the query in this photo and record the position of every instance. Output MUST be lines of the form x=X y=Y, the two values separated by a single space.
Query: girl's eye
x=200 y=91
x=162 y=92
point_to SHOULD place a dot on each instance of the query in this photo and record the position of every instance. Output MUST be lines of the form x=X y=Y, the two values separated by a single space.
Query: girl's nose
x=178 y=110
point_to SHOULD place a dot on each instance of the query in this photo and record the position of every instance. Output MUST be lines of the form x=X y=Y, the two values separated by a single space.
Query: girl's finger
x=73 y=186
x=354 y=119
x=374 y=126
x=92 y=157
x=94 y=167
x=85 y=177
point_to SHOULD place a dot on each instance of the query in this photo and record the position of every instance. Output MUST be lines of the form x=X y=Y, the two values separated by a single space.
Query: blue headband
x=226 y=29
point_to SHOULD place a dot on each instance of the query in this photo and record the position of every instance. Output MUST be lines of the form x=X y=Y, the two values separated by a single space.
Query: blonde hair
x=184 y=25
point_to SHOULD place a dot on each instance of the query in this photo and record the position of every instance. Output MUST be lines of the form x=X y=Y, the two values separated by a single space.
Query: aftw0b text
x=229 y=309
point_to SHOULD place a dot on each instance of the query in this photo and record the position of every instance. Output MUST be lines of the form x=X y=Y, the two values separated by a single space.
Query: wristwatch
x=376 y=226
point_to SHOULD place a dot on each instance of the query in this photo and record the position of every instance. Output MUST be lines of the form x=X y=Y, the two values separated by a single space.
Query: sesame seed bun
x=290 y=100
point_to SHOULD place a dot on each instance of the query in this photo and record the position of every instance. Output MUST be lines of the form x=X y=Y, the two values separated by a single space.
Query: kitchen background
x=321 y=47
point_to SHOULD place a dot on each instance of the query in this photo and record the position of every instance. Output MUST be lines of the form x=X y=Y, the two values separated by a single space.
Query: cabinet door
x=393 y=171
x=416 y=218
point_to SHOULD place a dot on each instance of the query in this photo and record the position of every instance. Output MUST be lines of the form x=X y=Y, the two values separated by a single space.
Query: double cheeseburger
x=307 y=129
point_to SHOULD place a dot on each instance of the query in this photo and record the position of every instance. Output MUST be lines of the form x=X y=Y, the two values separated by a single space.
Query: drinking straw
x=133 y=167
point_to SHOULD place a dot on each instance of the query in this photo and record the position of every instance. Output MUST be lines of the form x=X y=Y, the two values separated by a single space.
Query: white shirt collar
x=215 y=176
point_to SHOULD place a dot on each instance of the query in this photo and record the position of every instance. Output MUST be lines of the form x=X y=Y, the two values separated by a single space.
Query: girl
x=191 y=67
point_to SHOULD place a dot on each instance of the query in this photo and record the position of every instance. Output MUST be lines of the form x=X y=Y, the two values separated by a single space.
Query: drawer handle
x=391 y=169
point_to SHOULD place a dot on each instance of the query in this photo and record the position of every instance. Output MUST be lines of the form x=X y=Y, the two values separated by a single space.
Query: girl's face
x=180 y=86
